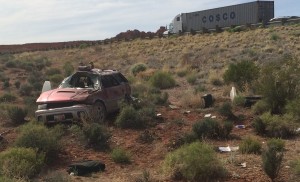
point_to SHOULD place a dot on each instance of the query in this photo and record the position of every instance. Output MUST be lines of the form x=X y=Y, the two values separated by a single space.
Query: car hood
x=64 y=95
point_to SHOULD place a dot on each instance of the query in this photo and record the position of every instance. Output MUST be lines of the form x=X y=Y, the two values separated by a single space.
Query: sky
x=32 y=21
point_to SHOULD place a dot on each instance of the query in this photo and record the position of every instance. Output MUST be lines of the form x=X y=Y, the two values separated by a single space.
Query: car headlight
x=42 y=106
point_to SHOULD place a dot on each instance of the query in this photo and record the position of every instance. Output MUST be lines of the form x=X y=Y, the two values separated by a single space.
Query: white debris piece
x=232 y=93
x=214 y=117
x=207 y=115
x=228 y=149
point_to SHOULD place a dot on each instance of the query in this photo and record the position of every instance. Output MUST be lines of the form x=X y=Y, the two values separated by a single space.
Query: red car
x=88 y=92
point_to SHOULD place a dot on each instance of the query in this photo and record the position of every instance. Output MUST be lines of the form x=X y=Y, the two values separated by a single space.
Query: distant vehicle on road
x=282 y=18
x=88 y=93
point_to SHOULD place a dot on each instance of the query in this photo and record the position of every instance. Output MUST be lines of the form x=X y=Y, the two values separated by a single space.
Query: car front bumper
x=74 y=113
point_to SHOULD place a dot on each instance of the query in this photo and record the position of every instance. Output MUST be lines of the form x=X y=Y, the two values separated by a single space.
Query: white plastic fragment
x=232 y=93
x=228 y=149
x=214 y=117
x=158 y=114
x=207 y=115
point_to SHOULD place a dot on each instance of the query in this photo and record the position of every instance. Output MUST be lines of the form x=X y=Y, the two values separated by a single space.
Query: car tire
x=98 y=112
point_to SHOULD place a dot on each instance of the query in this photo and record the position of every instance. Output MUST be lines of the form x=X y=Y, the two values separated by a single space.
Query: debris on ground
x=82 y=168
x=228 y=149
x=241 y=126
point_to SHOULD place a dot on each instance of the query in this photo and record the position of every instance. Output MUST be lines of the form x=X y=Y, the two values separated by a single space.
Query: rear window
x=120 y=78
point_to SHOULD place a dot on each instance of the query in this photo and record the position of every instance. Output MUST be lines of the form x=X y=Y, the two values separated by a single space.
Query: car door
x=113 y=91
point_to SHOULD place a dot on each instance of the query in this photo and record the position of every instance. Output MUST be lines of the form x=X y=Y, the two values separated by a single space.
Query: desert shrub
x=210 y=128
x=182 y=72
x=160 y=99
x=200 y=88
x=26 y=89
x=272 y=158
x=68 y=68
x=260 y=107
x=226 y=110
x=138 y=68
x=206 y=128
x=8 y=97
x=293 y=108
x=144 y=177
x=194 y=162
x=97 y=136
x=259 y=126
x=6 y=83
x=235 y=29
x=274 y=36
x=56 y=79
x=191 y=99
x=53 y=71
x=162 y=80
x=11 y=64
x=17 y=84
x=279 y=84
x=16 y=114
x=119 y=155
x=39 y=137
x=250 y=146
x=191 y=78
x=239 y=100
x=129 y=117
x=296 y=166
x=242 y=73
x=216 y=82
x=20 y=163
x=279 y=126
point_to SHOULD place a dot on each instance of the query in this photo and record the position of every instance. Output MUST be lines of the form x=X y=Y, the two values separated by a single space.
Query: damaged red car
x=88 y=93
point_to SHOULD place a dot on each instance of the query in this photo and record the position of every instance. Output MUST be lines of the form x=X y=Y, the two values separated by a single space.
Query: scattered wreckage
x=88 y=93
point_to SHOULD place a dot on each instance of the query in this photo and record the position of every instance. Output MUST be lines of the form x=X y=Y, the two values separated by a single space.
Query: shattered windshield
x=81 y=80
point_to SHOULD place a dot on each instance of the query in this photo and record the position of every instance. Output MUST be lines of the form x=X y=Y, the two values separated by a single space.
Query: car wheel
x=98 y=113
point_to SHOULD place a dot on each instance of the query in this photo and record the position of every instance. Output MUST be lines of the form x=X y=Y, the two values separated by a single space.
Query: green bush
x=259 y=126
x=239 y=101
x=296 y=166
x=162 y=80
x=119 y=155
x=250 y=146
x=11 y=64
x=210 y=128
x=279 y=84
x=140 y=67
x=26 y=89
x=53 y=71
x=226 y=110
x=272 y=158
x=129 y=117
x=194 y=162
x=279 y=126
x=20 y=163
x=274 y=37
x=16 y=114
x=96 y=136
x=17 y=84
x=261 y=107
x=56 y=79
x=191 y=78
x=293 y=108
x=68 y=68
x=242 y=73
x=160 y=99
x=216 y=82
x=8 y=97
x=38 y=136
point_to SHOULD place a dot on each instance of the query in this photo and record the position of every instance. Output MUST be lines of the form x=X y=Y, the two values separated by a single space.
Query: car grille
x=60 y=104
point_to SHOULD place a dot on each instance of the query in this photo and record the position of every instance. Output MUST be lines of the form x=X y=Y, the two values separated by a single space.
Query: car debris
x=241 y=126
x=89 y=93
x=228 y=149
x=82 y=168
x=207 y=115
x=173 y=107
x=208 y=100
x=232 y=93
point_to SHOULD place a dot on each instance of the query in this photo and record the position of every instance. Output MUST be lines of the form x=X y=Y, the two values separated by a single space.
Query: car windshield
x=81 y=80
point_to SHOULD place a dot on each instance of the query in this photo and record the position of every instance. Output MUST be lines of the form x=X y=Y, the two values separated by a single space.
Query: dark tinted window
x=120 y=78
x=108 y=81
